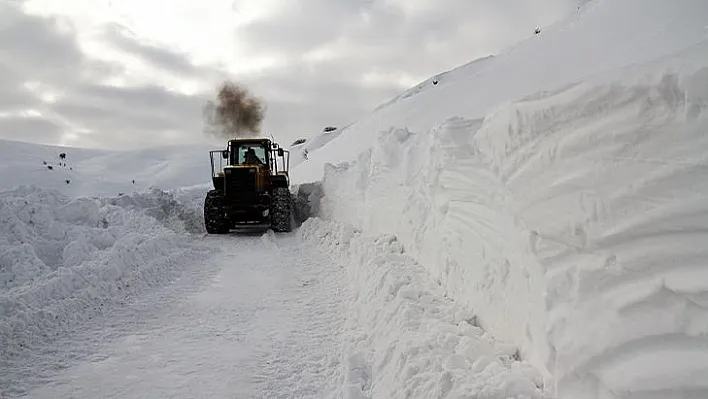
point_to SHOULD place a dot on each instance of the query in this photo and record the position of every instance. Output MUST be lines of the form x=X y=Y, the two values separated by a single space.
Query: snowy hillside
x=531 y=226
x=299 y=151
x=102 y=173
x=600 y=38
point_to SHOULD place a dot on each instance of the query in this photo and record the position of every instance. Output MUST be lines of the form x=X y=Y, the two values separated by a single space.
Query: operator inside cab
x=250 y=157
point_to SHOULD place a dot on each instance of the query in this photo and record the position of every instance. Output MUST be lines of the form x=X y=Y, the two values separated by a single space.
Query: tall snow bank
x=405 y=338
x=66 y=260
x=572 y=221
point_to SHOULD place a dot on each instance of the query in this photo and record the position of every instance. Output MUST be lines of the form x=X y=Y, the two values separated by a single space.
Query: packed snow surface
x=532 y=226
x=264 y=320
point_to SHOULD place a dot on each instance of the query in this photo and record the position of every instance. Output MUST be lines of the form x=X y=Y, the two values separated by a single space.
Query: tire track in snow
x=41 y=365
x=264 y=325
x=316 y=311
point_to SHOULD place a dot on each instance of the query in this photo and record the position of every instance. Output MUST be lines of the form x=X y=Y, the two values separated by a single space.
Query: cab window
x=251 y=154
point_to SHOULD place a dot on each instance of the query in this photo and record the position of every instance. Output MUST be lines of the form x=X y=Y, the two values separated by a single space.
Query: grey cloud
x=44 y=34
x=301 y=26
x=31 y=129
x=376 y=37
x=13 y=96
x=142 y=108
x=381 y=35
x=299 y=102
x=301 y=95
x=147 y=98
x=329 y=82
x=159 y=57
x=45 y=50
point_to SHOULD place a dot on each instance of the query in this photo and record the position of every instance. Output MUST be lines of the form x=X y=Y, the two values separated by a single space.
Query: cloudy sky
x=133 y=73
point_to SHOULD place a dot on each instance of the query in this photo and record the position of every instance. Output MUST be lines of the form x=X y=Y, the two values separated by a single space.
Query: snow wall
x=572 y=222
x=66 y=260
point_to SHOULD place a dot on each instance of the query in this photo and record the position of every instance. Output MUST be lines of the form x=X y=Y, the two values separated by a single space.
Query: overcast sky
x=132 y=73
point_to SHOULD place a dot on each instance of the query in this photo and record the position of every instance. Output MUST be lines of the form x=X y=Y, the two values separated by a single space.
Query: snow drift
x=563 y=202
x=570 y=221
x=64 y=260
x=405 y=338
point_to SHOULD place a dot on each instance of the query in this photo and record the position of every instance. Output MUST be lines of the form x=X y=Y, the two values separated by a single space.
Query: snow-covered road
x=261 y=318
x=125 y=297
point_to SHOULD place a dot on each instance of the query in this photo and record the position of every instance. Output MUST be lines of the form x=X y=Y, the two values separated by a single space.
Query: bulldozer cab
x=268 y=159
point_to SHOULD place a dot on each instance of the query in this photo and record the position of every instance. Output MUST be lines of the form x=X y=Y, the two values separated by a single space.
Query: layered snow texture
x=404 y=337
x=558 y=189
x=259 y=318
x=64 y=260
x=571 y=221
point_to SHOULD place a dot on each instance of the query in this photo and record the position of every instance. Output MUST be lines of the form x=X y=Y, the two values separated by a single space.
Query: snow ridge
x=64 y=261
x=606 y=180
x=405 y=337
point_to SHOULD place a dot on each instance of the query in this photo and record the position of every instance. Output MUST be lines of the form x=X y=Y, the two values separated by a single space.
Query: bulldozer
x=251 y=187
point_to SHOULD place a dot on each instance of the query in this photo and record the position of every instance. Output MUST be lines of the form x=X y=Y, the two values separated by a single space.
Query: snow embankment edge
x=66 y=260
x=567 y=221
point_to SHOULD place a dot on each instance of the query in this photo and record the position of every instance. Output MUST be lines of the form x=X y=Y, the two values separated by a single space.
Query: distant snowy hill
x=102 y=173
